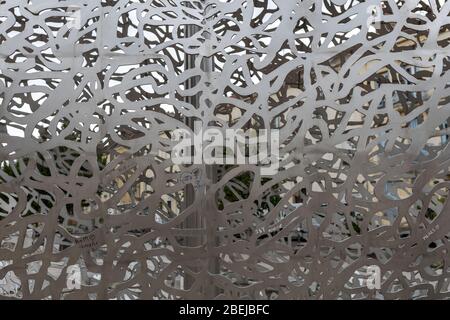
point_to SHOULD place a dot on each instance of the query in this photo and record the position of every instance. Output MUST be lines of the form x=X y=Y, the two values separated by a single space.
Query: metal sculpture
x=92 y=205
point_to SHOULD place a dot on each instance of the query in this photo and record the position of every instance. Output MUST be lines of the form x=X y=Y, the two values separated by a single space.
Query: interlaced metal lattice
x=91 y=91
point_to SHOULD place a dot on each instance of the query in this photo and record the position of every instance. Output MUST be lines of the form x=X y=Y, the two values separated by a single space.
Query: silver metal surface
x=92 y=90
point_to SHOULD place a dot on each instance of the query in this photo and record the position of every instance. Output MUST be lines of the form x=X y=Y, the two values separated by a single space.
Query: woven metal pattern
x=91 y=91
